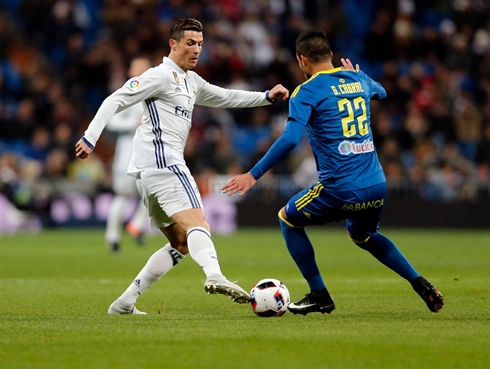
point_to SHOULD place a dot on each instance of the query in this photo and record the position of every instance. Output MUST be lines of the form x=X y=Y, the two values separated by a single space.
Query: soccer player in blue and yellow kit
x=333 y=106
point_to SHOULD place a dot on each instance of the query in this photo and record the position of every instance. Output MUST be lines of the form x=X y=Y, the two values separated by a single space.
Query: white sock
x=139 y=218
x=201 y=248
x=160 y=263
x=115 y=219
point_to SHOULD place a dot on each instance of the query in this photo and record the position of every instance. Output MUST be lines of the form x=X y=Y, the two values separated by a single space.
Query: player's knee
x=282 y=214
x=206 y=226
x=284 y=221
x=359 y=240
x=199 y=222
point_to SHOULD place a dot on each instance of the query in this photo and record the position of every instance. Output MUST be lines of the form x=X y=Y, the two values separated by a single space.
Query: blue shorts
x=361 y=208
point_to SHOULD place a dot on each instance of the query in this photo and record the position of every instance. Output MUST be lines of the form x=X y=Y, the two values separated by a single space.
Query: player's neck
x=172 y=57
x=319 y=67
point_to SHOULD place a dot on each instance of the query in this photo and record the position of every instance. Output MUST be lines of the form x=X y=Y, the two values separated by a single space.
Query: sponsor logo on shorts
x=351 y=147
x=375 y=204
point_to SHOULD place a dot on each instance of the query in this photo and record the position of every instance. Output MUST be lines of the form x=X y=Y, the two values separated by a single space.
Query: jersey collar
x=327 y=71
x=174 y=66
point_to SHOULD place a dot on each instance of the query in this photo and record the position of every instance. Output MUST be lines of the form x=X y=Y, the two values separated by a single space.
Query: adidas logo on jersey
x=177 y=89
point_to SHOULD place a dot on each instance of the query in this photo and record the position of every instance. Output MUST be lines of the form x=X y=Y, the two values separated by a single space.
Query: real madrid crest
x=176 y=77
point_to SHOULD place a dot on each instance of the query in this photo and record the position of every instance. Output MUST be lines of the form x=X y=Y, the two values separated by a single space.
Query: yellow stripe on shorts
x=317 y=193
x=309 y=196
x=306 y=195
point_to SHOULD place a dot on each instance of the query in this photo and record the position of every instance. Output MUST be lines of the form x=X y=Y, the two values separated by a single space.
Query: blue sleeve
x=300 y=105
x=299 y=114
x=377 y=91
x=280 y=149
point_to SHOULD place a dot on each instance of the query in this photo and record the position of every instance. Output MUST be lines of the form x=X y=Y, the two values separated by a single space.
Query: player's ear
x=172 y=43
x=304 y=60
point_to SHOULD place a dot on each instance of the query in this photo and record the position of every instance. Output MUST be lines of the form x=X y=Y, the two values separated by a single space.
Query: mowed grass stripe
x=55 y=289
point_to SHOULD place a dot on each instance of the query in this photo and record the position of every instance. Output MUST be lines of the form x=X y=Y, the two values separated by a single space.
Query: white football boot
x=119 y=307
x=218 y=284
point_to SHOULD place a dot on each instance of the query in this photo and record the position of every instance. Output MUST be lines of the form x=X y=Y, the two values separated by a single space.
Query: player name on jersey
x=347 y=88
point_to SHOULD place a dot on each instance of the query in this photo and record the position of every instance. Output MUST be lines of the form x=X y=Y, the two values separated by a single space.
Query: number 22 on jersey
x=348 y=123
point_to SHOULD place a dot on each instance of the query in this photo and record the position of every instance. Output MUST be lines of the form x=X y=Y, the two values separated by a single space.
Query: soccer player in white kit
x=125 y=124
x=169 y=92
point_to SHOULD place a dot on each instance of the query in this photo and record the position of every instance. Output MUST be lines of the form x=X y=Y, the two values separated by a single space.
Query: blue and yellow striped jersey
x=334 y=105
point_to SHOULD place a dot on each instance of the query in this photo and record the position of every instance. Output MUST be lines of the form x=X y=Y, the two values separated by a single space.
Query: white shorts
x=168 y=191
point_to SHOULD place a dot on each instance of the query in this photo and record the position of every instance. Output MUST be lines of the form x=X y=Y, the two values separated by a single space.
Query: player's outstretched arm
x=135 y=90
x=278 y=152
x=278 y=92
x=218 y=97
x=241 y=184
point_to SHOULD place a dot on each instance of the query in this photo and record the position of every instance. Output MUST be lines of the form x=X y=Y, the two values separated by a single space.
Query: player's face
x=188 y=49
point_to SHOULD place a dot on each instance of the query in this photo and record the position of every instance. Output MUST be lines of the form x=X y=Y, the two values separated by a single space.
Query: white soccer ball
x=269 y=297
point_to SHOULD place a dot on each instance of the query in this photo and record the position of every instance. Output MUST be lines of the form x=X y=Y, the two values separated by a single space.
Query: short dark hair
x=184 y=24
x=313 y=45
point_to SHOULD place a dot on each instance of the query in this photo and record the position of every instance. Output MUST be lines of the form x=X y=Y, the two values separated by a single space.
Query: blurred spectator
x=60 y=58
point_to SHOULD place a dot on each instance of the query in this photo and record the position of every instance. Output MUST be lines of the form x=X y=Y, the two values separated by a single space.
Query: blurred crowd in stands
x=60 y=58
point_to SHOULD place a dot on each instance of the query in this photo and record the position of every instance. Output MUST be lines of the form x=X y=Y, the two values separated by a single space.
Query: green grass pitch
x=55 y=288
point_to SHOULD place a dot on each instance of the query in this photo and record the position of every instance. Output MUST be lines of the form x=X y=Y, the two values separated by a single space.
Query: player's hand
x=241 y=183
x=277 y=92
x=82 y=150
x=347 y=65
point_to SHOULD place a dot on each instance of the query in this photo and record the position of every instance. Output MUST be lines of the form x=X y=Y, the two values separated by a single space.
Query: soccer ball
x=269 y=297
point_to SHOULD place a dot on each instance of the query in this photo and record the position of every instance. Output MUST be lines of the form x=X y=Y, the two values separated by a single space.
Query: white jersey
x=124 y=124
x=168 y=95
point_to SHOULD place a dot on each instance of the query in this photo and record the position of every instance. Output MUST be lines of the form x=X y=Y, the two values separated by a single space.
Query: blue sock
x=386 y=252
x=301 y=250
